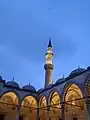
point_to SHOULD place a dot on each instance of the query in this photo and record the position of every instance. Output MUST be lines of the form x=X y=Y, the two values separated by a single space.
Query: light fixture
x=73 y=102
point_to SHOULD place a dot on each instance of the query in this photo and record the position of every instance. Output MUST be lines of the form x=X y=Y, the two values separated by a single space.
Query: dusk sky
x=25 y=28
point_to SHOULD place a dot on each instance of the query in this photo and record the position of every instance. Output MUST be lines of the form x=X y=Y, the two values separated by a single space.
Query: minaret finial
x=78 y=66
x=13 y=79
x=50 y=45
x=63 y=75
x=29 y=82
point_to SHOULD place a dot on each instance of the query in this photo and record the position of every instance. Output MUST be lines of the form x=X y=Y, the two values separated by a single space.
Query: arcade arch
x=74 y=104
x=8 y=106
x=55 y=107
x=29 y=108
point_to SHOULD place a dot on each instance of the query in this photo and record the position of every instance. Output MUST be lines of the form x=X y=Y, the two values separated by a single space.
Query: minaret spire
x=50 y=45
x=48 y=66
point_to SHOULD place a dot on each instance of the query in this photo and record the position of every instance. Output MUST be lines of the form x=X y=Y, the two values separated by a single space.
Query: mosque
x=67 y=99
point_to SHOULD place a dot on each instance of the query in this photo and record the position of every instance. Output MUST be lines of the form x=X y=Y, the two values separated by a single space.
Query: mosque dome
x=60 y=80
x=12 y=84
x=29 y=88
x=77 y=71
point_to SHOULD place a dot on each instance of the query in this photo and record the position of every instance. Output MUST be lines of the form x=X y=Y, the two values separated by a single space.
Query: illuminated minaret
x=48 y=66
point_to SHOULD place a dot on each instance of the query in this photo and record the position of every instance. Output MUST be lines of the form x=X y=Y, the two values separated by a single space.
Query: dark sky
x=25 y=27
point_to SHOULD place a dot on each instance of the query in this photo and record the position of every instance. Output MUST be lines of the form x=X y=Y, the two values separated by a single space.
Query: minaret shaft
x=48 y=66
x=48 y=74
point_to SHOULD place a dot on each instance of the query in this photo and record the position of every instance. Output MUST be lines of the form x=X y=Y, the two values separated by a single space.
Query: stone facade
x=67 y=99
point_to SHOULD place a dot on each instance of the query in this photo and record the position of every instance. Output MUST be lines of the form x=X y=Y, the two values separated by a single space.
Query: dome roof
x=29 y=88
x=77 y=71
x=12 y=84
x=60 y=80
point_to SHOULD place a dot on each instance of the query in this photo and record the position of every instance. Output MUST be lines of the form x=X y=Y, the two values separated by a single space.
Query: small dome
x=77 y=71
x=12 y=84
x=29 y=88
x=60 y=80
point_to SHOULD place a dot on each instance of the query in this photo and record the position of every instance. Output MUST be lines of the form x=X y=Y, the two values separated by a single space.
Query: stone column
x=18 y=113
x=63 y=111
x=48 y=114
x=38 y=116
x=48 y=110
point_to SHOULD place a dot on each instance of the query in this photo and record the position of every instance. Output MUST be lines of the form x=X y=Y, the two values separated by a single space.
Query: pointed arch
x=9 y=100
x=54 y=103
x=14 y=93
x=51 y=93
x=42 y=101
x=8 y=104
x=66 y=87
x=74 y=104
x=29 y=108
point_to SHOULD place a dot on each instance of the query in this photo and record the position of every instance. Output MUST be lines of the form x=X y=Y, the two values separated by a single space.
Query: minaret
x=48 y=66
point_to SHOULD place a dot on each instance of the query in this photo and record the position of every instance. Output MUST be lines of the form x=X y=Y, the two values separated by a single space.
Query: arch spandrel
x=41 y=95
x=29 y=94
